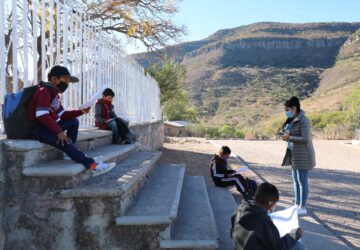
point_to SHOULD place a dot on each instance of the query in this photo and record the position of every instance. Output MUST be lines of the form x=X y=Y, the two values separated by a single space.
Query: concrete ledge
x=149 y=134
x=189 y=244
x=68 y=168
x=117 y=182
x=27 y=145
x=144 y=220
x=158 y=202
x=26 y=153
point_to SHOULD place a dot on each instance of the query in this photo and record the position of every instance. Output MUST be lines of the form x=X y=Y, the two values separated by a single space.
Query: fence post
x=2 y=50
x=35 y=54
x=14 y=46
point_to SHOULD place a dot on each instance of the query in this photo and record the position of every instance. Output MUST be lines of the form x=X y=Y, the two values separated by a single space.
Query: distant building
x=176 y=128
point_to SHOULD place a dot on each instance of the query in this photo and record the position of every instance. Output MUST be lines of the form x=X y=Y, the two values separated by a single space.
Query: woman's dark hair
x=293 y=102
x=108 y=92
x=266 y=193
x=225 y=150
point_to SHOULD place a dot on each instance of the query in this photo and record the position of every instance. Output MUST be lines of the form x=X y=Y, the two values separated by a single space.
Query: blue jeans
x=71 y=127
x=115 y=130
x=301 y=188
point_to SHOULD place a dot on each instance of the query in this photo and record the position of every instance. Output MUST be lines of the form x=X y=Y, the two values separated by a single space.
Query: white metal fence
x=38 y=34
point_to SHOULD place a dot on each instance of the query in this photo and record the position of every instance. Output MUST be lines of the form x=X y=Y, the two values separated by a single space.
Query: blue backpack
x=15 y=117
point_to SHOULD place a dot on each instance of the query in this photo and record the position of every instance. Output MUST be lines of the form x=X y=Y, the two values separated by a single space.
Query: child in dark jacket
x=224 y=177
x=106 y=118
x=252 y=228
x=57 y=126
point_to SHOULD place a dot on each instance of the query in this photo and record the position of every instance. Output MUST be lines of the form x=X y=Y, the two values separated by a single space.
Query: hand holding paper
x=92 y=100
x=286 y=220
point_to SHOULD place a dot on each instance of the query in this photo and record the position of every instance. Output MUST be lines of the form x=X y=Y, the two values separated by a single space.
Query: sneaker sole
x=105 y=171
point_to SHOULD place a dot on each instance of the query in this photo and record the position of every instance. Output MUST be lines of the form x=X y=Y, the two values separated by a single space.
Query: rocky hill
x=242 y=75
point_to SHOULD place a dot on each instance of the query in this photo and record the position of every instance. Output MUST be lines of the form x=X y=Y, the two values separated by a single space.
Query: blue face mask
x=289 y=114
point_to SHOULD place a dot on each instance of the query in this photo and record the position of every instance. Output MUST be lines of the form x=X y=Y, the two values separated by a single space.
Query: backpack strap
x=49 y=86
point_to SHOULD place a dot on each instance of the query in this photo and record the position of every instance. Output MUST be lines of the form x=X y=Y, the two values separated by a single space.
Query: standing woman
x=300 y=152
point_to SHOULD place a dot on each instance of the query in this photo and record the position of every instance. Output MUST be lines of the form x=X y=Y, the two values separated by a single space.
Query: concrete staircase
x=52 y=203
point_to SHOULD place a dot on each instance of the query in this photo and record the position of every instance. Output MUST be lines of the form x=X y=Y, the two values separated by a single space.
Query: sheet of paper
x=286 y=220
x=242 y=170
x=93 y=99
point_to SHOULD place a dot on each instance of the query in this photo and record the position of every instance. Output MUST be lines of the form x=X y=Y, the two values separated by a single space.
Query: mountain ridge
x=256 y=67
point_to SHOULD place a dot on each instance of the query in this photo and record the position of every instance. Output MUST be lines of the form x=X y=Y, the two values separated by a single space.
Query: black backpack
x=15 y=117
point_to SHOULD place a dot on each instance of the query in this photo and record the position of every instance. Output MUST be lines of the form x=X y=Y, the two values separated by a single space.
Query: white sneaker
x=302 y=211
x=102 y=168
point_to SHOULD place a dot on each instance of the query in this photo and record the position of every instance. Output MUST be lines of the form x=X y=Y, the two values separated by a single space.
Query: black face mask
x=62 y=86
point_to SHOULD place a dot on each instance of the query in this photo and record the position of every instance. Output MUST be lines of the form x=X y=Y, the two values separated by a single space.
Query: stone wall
x=150 y=135
x=31 y=204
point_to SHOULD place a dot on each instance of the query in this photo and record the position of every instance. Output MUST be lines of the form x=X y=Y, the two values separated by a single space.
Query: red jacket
x=103 y=113
x=45 y=107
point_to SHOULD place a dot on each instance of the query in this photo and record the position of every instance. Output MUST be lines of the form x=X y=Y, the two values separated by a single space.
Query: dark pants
x=119 y=129
x=236 y=180
x=71 y=127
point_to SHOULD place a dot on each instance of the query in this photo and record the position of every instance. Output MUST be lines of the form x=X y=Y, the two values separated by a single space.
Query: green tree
x=351 y=106
x=170 y=75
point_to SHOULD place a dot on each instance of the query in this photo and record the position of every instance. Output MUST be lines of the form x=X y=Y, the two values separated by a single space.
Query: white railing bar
x=26 y=49
x=14 y=46
x=51 y=39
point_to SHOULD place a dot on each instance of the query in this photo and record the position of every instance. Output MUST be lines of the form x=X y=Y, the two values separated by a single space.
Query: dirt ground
x=332 y=155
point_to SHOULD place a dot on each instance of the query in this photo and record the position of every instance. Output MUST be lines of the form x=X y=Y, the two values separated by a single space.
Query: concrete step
x=195 y=226
x=128 y=172
x=69 y=168
x=29 y=152
x=223 y=206
x=157 y=203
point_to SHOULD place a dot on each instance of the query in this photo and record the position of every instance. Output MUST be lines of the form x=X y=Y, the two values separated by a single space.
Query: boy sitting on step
x=106 y=118
x=224 y=177
x=252 y=228
x=53 y=120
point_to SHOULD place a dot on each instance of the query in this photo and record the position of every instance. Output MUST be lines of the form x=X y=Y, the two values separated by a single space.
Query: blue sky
x=204 y=17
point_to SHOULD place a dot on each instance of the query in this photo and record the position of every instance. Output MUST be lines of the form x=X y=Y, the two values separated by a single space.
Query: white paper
x=93 y=99
x=286 y=220
x=242 y=170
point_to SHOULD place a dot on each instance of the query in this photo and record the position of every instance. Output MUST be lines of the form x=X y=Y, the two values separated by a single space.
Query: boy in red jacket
x=106 y=118
x=53 y=120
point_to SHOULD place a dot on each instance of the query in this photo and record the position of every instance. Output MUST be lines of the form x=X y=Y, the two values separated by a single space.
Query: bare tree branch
x=148 y=21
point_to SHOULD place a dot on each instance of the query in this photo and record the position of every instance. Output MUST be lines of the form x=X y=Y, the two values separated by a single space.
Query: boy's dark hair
x=225 y=150
x=266 y=193
x=108 y=92
x=293 y=102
